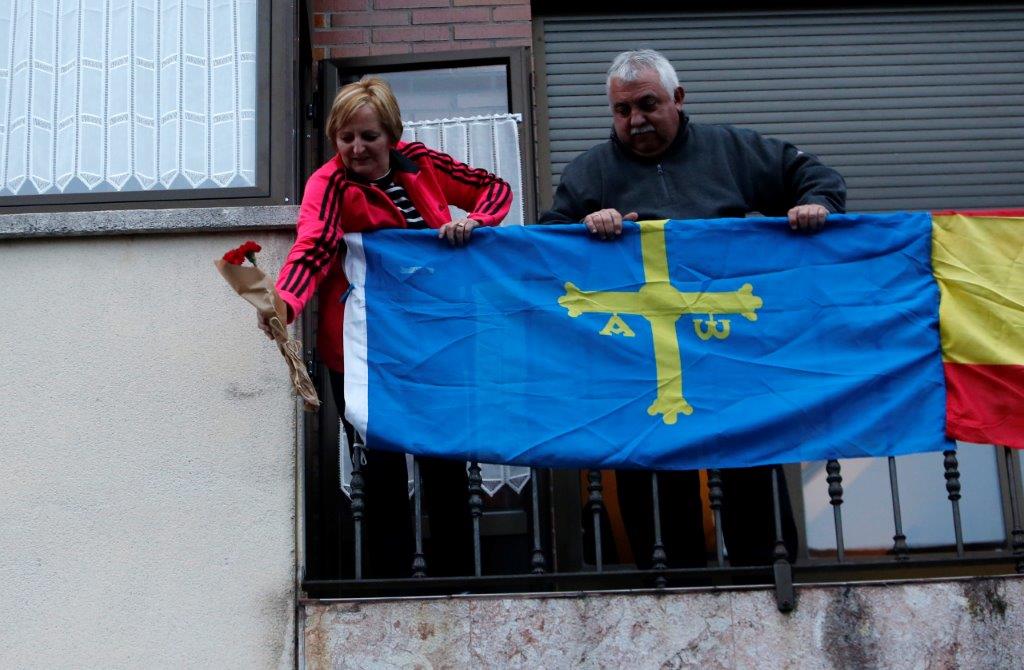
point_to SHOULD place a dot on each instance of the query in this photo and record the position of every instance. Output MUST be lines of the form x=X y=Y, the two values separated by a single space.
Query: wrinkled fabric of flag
x=545 y=346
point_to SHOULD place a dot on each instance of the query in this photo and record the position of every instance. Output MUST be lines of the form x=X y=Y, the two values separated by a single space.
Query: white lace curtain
x=490 y=142
x=127 y=95
x=494 y=477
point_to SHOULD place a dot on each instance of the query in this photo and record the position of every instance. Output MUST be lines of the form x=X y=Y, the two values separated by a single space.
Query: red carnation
x=248 y=250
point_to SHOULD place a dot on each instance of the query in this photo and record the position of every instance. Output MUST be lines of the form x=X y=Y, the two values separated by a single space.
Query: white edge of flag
x=354 y=332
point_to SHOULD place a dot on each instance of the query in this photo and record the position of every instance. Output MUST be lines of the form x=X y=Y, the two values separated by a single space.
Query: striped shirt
x=400 y=197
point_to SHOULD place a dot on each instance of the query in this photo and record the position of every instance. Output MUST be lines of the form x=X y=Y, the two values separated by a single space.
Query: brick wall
x=344 y=28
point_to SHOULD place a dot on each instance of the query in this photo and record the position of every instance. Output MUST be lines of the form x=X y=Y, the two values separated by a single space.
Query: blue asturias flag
x=683 y=344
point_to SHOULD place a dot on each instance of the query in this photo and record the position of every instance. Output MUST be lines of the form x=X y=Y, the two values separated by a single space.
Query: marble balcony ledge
x=926 y=625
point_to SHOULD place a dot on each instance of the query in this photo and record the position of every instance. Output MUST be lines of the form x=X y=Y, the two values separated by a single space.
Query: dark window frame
x=516 y=59
x=276 y=173
x=323 y=525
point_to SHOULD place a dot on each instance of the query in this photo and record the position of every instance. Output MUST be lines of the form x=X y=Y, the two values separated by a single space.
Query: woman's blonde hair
x=372 y=91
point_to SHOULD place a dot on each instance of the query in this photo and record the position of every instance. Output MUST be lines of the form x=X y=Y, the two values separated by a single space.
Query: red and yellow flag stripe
x=978 y=261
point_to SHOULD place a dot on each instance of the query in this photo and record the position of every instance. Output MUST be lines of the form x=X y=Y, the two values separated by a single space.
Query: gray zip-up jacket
x=708 y=171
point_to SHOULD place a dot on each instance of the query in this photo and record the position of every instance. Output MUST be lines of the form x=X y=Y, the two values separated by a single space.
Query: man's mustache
x=647 y=128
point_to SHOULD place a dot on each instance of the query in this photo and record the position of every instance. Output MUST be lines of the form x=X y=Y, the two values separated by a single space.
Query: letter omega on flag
x=662 y=305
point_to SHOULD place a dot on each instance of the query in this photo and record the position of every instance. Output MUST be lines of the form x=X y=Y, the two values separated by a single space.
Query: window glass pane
x=450 y=92
x=1020 y=470
x=126 y=95
x=927 y=513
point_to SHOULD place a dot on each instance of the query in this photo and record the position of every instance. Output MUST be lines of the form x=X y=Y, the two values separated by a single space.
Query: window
x=140 y=100
x=451 y=85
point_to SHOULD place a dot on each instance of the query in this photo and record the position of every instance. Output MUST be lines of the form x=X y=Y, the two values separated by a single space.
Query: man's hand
x=607 y=223
x=457 y=232
x=807 y=218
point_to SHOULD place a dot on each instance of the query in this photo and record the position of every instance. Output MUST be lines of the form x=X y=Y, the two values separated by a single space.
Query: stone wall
x=345 y=28
x=147 y=442
x=925 y=625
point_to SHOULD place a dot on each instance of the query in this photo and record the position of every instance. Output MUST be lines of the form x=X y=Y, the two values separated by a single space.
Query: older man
x=659 y=165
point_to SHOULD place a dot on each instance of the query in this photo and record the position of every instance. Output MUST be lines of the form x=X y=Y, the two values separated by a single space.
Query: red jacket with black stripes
x=334 y=204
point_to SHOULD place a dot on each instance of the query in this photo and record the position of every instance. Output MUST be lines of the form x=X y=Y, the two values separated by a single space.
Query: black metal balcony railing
x=553 y=538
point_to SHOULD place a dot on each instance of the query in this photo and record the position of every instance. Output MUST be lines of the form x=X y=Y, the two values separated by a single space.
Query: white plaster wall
x=147 y=453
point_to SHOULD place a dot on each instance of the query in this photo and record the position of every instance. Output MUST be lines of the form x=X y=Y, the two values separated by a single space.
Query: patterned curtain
x=490 y=142
x=127 y=95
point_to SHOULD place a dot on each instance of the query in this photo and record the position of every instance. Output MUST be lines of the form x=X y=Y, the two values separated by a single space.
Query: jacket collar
x=398 y=162
x=402 y=164
x=680 y=139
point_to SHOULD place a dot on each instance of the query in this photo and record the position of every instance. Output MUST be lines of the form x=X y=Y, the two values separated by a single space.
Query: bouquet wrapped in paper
x=250 y=282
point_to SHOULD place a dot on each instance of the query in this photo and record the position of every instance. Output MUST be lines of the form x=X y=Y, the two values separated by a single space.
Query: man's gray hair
x=629 y=65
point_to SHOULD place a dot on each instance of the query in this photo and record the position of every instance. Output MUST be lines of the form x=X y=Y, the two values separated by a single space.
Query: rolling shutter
x=918 y=109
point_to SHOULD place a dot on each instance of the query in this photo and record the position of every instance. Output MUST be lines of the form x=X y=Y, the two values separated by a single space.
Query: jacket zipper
x=664 y=182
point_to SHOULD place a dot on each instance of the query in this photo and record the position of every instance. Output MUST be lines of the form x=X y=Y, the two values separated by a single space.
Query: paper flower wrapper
x=255 y=286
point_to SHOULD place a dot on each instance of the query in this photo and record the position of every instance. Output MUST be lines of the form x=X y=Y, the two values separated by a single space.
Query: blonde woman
x=376 y=181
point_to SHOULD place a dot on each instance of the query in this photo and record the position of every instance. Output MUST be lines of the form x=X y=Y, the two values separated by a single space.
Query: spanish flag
x=978 y=261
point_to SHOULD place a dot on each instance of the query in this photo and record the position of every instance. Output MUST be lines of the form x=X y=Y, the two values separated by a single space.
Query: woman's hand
x=458 y=231
x=263 y=321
